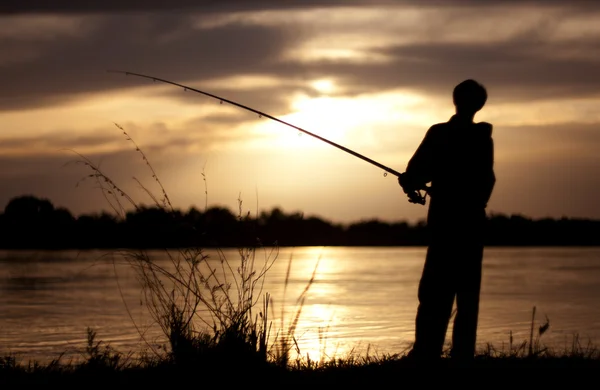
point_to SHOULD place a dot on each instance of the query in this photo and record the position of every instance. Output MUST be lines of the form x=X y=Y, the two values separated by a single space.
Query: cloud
x=539 y=144
x=75 y=6
x=53 y=143
x=522 y=57
x=272 y=100
x=65 y=68
x=516 y=69
x=535 y=54
x=201 y=134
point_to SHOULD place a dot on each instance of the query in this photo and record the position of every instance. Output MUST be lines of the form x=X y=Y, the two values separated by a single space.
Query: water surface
x=361 y=298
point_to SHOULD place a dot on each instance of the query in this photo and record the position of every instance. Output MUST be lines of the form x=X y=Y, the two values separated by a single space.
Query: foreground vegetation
x=226 y=364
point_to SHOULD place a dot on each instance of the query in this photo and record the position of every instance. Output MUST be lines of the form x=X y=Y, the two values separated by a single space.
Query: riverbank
x=396 y=372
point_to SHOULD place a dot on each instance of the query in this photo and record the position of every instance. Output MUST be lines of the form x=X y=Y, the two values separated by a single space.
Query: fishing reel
x=417 y=197
x=412 y=190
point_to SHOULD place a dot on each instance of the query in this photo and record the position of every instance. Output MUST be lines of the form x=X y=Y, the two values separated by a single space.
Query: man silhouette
x=457 y=158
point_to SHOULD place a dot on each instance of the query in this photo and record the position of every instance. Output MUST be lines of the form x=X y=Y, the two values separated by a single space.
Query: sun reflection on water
x=322 y=332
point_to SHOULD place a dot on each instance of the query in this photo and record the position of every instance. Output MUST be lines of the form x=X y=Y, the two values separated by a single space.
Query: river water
x=362 y=299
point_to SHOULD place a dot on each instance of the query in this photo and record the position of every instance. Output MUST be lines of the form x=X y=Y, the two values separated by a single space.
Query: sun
x=325 y=86
x=332 y=118
x=342 y=119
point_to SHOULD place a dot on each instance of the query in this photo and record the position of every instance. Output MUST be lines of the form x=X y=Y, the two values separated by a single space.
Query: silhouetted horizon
x=29 y=222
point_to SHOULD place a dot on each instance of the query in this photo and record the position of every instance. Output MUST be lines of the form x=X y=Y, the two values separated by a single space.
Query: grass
x=103 y=366
x=218 y=321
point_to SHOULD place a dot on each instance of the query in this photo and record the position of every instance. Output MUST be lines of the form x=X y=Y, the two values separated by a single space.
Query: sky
x=372 y=76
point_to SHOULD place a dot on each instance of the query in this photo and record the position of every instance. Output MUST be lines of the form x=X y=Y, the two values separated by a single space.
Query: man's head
x=469 y=97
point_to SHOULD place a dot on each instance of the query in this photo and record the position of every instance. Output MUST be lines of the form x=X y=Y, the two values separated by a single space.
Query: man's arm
x=418 y=169
x=489 y=180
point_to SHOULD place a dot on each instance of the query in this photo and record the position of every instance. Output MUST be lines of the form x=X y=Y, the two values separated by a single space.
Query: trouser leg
x=468 y=278
x=436 y=297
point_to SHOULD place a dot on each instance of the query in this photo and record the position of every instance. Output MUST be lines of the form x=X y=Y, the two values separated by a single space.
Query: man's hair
x=469 y=96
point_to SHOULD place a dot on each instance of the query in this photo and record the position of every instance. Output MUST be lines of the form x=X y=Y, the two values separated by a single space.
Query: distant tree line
x=34 y=223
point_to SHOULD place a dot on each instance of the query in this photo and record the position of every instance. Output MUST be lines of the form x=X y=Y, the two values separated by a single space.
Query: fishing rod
x=262 y=114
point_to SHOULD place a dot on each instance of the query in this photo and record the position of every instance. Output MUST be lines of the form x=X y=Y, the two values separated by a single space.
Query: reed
x=209 y=309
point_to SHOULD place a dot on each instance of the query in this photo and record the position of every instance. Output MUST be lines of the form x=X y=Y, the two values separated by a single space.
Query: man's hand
x=403 y=181
x=410 y=189
x=408 y=185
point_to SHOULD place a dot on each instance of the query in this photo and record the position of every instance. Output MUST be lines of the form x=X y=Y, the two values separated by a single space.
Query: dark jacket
x=457 y=158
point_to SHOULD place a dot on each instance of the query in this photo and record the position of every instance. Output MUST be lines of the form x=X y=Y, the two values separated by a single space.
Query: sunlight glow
x=242 y=82
x=95 y=115
x=346 y=120
x=314 y=52
x=323 y=85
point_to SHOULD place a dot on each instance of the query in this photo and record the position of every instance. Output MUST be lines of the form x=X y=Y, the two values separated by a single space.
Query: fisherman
x=457 y=158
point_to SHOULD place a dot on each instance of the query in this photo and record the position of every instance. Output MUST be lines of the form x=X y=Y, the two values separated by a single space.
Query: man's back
x=457 y=157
